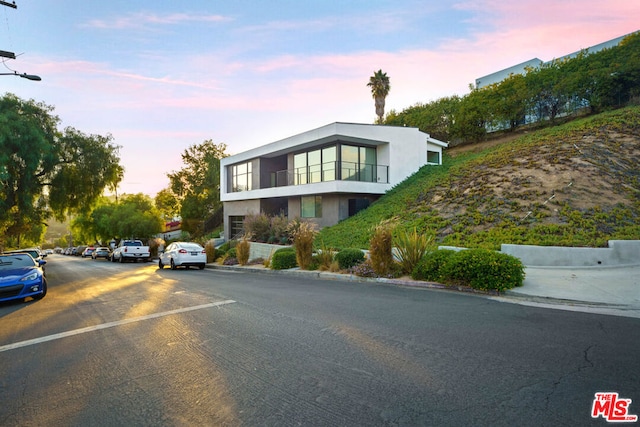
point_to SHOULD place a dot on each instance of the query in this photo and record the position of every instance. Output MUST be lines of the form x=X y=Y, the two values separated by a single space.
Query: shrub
x=233 y=253
x=303 y=237
x=225 y=247
x=279 y=225
x=430 y=267
x=380 y=249
x=242 y=250
x=484 y=269
x=412 y=247
x=212 y=252
x=349 y=257
x=283 y=259
x=258 y=226
x=325 y=257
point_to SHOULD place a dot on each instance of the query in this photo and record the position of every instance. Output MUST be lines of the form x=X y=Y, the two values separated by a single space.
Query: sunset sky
x=160 y=76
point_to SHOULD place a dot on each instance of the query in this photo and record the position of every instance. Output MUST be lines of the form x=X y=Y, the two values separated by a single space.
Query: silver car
x=183 y=254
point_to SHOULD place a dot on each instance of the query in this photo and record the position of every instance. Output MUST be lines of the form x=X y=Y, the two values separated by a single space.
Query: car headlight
x=32 y=276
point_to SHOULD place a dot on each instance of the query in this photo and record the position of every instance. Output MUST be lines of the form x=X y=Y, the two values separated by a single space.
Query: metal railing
x=331 y=171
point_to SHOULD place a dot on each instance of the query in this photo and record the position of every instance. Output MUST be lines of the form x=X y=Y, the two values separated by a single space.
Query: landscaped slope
x=576 y=184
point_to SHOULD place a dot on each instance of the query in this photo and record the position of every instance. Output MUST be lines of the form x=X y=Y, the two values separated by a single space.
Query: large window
x=315 y=166
x=358 y=163
x=241 y=177
x=311 y=206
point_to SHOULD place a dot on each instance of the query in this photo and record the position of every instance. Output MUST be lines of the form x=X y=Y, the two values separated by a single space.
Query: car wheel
x=44 y=290
x=173 y=264
x=201 y=266
x=160 y=264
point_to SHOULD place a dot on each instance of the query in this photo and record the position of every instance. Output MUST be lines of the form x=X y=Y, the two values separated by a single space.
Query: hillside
x=577 y=184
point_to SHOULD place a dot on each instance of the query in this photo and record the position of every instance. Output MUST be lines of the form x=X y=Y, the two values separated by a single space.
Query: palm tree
x=380 y=87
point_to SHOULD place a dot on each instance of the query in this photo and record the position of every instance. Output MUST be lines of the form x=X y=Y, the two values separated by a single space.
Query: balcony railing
x=331 y=171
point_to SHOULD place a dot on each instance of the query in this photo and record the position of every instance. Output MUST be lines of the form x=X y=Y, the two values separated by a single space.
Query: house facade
x=325 y=174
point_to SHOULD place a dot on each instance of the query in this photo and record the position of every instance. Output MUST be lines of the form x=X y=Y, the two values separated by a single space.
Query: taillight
x=203 y=251
x=183 y=251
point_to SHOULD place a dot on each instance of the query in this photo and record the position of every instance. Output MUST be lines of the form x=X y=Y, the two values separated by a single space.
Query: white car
x=183 y=254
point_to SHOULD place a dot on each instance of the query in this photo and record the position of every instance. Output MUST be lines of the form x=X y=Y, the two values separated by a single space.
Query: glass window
x=349 y=162
x=433 y=157
x=300 y=168
x=241 y=177
x=367 y=164
x=311 y=206
x=329 y=164
x=314 y=160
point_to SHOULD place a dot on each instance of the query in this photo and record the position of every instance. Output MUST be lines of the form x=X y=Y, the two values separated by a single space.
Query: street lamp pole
x=23 y=75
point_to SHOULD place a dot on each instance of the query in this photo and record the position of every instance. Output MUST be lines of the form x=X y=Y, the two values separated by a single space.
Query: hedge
x=284 y=258
x=349 y=257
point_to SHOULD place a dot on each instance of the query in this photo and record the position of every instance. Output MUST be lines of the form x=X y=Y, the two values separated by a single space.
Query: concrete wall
x=619 y=252
x=262 y=250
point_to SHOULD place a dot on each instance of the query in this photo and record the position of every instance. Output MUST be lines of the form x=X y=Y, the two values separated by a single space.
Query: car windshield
x=7 y=262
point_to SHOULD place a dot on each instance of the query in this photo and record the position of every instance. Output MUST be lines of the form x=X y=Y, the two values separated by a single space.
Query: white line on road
x=109 y=325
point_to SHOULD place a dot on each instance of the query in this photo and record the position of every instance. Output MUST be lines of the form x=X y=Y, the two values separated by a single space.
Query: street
x=130 y=344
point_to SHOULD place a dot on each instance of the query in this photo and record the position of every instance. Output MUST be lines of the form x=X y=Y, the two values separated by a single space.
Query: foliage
x=167 y=204
x=303 y=236
x=258 y=226
x=411 y=247
x=380 y=249
x=197 y=185
x=45 y=172
x=212 y=252
x=242 y=250
x=283 y=259
x=325 y=257
x=134 y=216
x=479 y=268
x=601 y=80
x=380 y=87
x=430 y=267
x=349 y=257
x=484 y=269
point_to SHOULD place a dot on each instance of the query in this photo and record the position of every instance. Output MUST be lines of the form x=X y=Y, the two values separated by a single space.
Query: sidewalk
x=602 y=290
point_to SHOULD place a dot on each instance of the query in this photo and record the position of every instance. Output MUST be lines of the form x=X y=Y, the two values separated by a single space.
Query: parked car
x=183 y=254
x=35 y=253
x=21 y=276
x=130 y=250
x=88 y=252
x=101 y=252
x=79 y=250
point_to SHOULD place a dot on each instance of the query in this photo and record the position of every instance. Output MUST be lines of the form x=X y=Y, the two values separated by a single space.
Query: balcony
x=331 y=171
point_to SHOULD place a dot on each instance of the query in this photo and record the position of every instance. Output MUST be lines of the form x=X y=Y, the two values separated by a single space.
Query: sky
x=161 y=76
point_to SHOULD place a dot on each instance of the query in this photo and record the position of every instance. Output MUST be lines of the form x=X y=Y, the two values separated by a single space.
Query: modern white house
x=325 y=174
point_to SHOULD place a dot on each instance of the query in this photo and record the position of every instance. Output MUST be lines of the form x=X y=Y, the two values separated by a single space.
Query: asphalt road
x=116 y=345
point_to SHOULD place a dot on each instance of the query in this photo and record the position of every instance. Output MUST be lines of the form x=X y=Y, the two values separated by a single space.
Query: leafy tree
x=133 y=216
x=380 y=86
x=197 y=185
x=45 y=172
x=167 y=204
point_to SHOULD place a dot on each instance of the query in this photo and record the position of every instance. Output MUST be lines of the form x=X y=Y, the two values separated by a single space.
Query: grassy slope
x=576 y=184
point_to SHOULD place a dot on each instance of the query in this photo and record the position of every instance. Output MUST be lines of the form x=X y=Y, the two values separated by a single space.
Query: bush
x=412 y=247
x=303 y=236
x=212 y=252
x=242 y=251
x=258 y=226
x=349 y=257
x=380 y=249
x=225 y=247
x=283 y=259
x=430 y=267
x=484 y=269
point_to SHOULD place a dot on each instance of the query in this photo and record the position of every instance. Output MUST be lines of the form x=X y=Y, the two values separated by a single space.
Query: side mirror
x=42 y=262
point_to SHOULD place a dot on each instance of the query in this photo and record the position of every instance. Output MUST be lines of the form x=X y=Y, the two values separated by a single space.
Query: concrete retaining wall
x=263 y=250
x=619 y=252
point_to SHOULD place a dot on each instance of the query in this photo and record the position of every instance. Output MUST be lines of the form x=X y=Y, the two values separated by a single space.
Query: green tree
x=380 y=86
x=197 y=185
x=45 y=172
x=167 y=204
x=133 y=216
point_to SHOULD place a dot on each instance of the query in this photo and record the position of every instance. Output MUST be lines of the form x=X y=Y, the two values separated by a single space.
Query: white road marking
x=109 y=325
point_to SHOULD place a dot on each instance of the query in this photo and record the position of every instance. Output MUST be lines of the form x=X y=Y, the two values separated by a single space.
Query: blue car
x=21 y=276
